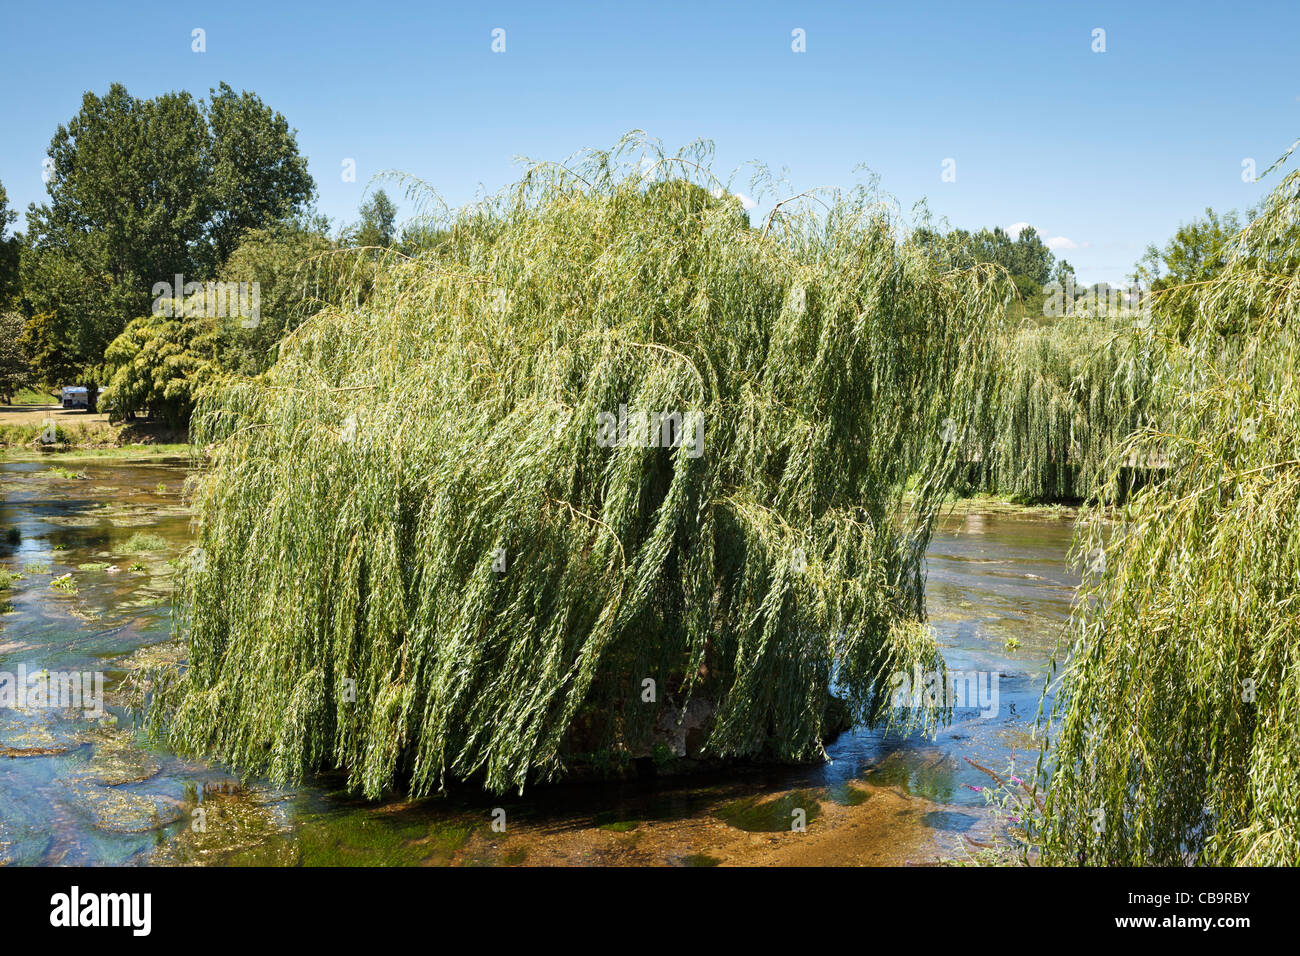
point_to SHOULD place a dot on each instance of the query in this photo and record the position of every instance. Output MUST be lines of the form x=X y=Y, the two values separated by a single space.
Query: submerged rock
x=47 y=731
x=14 y=752
x=118 y=760
x=121 y=811
x=231 y=826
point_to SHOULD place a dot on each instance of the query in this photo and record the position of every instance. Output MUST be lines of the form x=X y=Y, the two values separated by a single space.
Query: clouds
x=745 y=201
x=1055 y=243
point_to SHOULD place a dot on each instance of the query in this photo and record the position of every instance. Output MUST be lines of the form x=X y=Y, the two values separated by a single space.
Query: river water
x=88 y=790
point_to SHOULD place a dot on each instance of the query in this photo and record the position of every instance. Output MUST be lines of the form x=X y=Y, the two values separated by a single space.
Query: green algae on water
x=847 y=795
x=142 y=541
x=761 y=814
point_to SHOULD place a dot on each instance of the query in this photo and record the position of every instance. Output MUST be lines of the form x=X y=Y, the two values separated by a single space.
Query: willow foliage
x=1068 y=395
x=1179 y=735
x=413 y=507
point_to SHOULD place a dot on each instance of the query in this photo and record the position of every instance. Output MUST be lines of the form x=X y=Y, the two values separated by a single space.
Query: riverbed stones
x=116 y=810
x=118 y=760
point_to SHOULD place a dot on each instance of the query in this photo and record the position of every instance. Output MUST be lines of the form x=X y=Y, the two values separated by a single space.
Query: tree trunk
x=92 y=398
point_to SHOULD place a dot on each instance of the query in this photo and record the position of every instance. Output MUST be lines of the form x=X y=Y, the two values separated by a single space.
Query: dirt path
x=36 y=414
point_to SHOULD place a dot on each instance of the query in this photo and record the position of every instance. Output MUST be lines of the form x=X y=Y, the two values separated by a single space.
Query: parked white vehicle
x=74 y=396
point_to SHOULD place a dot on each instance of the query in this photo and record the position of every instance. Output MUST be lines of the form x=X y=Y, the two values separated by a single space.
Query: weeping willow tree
x=1068 y=395
x=1179 y=710
x=604 y=432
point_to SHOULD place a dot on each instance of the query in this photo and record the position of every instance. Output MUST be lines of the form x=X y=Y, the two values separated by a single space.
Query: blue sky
x=1102 y=152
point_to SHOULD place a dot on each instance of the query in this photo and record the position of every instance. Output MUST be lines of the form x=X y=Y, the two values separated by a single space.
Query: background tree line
x=143 y=190
x=138 y=192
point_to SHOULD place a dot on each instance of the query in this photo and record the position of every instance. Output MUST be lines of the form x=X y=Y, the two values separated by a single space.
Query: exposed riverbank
x=30 y=432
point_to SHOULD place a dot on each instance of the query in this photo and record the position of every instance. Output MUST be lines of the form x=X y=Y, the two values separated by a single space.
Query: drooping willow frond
x=418 y=559
x=1179 y=735
x=1068 y=394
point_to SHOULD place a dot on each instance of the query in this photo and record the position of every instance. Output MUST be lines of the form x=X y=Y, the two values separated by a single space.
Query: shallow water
x=90 y=791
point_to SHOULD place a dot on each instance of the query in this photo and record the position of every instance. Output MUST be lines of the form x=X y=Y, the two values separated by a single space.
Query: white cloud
x=745 y=201
x=1055 y=243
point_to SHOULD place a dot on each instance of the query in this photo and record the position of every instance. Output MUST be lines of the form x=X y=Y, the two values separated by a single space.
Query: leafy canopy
x=418 y=561
x=143 y=190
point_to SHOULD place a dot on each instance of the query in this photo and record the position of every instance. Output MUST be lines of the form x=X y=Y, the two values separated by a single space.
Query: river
x=84 y=790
